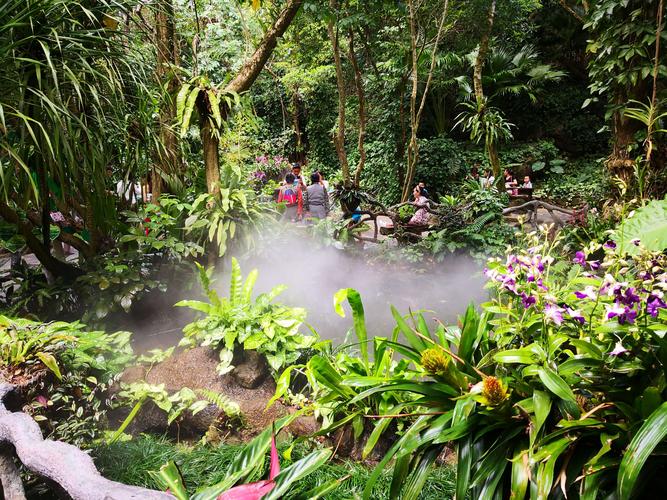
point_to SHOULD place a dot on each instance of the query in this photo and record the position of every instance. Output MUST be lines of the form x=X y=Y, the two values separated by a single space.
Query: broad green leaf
x=650 y=435
x=413 y=339
x=542 y=406
x=296 y=471
x=169 y=479
x=648 y=225
x=215 y=107
x=520 y=473
x=50 y=362
x=358 y=318
x=555 y=384
x=189 y=108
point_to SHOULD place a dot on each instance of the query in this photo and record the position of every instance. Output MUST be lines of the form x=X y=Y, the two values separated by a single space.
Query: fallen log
x=532 y=206
x=63 y=464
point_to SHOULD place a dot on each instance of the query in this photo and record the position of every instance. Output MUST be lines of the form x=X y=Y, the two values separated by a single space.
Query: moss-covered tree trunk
x=482 y=53
x=168 y=160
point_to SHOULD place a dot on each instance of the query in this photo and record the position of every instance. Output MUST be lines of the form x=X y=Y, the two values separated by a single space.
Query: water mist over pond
x=313 y=274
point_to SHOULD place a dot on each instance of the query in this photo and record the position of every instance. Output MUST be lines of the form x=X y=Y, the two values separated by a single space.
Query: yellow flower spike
x=494 y=392
x=434 y=361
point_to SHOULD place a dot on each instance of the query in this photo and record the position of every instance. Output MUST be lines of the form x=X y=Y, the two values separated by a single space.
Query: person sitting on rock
x=422 y=215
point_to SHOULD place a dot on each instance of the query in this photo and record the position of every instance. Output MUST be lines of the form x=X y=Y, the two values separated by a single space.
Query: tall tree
x=416 y=109
x=166 y=44
x=621 y=64
x=210 y=101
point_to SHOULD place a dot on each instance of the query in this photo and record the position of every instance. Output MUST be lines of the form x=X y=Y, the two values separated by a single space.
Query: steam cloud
x=314 y=273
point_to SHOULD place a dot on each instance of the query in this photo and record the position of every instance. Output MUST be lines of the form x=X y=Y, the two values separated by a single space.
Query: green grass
x=129 y=463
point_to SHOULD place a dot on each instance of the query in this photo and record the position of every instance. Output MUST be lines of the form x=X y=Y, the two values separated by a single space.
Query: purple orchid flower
x=618 y=349
x=654 y=305
x=595 y=264
x=579 y=258
x=576 y=315
x=629 y=298
x=623 y=314
x=636 y=241
x=542 y=286
x=589 y=292
x=554 y=313
x=611 y=245
x=527 y=300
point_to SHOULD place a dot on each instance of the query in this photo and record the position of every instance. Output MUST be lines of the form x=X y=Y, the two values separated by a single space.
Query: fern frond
x=230 y=407
x=481 y=221
x=236 y=283
x=249 y=286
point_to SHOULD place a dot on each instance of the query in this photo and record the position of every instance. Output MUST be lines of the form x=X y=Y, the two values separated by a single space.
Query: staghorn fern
x=230 y=407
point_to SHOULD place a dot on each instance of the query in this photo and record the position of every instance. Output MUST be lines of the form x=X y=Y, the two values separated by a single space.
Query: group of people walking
x=304 y=201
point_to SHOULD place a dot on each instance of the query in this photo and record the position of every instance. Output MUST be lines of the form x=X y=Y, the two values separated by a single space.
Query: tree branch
x=253 y=66
x=72 y=469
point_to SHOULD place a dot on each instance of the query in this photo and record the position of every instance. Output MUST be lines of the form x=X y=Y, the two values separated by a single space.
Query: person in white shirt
x=526 y=183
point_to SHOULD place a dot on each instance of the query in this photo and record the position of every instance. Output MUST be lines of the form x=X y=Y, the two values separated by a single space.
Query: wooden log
x=64 y=464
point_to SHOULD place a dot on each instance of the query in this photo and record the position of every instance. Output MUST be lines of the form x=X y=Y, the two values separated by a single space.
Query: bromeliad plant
x=556 y=390
x=338 y=382
x=239 y=321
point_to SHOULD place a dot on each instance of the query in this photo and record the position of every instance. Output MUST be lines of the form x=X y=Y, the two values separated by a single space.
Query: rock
x=251 y=371
x=249 y=385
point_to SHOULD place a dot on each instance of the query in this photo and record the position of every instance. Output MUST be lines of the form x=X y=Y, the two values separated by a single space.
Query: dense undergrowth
x=202 y=464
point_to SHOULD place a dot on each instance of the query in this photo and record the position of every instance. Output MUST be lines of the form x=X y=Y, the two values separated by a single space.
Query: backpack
x=290 y=195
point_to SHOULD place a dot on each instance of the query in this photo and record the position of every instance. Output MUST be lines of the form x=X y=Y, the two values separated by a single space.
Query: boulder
x=248 y=384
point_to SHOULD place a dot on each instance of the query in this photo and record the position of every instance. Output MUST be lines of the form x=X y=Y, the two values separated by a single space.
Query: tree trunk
x=210 y=141
x=168 y=161
x=479 y=89
x=295 y=121
x=481 y=55
x=50 y=263
x=241 y=82
x=416 y=112
x=363 y=118
x=339 y=135
x=623 y=137
x=253 y=66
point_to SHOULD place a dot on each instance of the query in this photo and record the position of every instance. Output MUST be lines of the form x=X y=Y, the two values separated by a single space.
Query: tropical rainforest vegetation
x=143 y=147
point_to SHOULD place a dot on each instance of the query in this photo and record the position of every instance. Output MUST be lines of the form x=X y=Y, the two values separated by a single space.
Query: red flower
x=256 y=490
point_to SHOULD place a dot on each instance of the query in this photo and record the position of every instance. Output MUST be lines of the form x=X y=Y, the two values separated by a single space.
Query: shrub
x=241 y=321
x=65 y=372
x=584 y=181
x=556 y=387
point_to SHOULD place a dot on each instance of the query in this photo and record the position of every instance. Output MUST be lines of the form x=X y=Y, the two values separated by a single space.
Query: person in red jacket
x=291 y=195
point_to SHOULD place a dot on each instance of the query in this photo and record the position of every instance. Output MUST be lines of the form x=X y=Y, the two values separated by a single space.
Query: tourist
x=423 y=190
x=510 y=183
x=488 y=180
x=291 y=195
x=296 y=171
x=422 y=215
x=324 y=182
x=526 y=183
x=474 y=173
x=317 y=198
